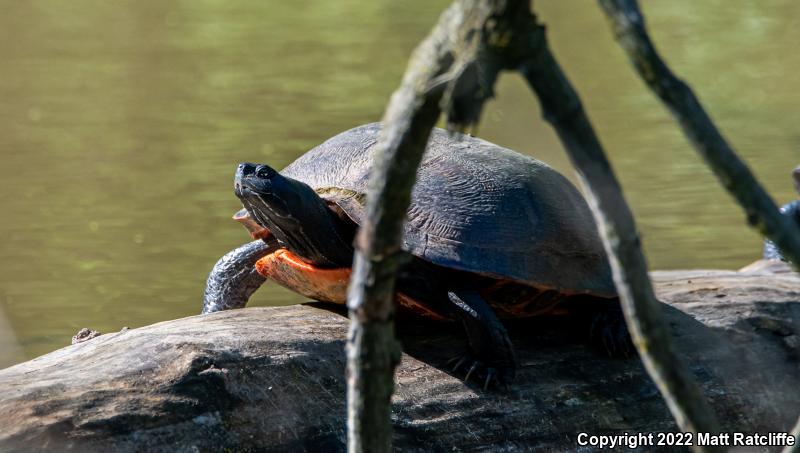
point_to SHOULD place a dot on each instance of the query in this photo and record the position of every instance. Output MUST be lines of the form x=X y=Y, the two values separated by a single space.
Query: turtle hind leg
x=608 y=332
x=491 y=359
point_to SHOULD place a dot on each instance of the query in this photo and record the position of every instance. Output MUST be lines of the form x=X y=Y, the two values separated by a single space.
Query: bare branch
x=762 y=213
x=453 y=70
x=562 y=108
x=445 y=64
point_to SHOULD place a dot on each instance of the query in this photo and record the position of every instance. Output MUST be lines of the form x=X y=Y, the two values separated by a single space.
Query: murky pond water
x=121 y=124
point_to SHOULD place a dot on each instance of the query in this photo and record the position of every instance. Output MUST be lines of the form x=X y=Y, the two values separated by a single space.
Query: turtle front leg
x=234 y=278
x=492 y=357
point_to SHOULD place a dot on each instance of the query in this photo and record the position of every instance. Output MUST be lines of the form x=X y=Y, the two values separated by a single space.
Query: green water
x=121 y=124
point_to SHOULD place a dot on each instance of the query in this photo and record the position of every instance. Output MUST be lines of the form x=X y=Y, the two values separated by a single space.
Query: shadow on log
x=269 y=379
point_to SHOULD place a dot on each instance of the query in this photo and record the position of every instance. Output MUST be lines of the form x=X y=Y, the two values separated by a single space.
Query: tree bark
x=270 y=379
x=762 y=213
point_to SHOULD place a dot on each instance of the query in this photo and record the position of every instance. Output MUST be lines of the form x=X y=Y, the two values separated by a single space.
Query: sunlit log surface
x=272 y=379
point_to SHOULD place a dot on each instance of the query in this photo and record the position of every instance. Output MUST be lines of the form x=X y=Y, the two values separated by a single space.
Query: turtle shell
x=476 y=207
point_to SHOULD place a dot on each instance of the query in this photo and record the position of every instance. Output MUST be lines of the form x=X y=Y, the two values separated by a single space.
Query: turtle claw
x=491 y=376
x=471 y=370
x=461 y=361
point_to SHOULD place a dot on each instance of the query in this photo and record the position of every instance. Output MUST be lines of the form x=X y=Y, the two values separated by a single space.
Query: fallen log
x=272 y=379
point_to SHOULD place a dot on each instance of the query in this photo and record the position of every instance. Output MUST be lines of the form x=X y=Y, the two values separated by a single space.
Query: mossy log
x=272 y=379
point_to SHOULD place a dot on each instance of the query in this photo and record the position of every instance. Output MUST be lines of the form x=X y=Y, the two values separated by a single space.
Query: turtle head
x=293 y=214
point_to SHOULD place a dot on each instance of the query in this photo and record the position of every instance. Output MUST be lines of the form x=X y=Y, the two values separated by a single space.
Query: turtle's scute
x=476 y=207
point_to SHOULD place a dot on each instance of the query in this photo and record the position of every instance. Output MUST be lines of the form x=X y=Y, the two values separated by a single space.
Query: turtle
x=492 y=235
x=792 y=210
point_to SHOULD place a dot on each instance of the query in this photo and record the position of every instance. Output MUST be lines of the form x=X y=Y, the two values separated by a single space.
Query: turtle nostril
x=264 y=171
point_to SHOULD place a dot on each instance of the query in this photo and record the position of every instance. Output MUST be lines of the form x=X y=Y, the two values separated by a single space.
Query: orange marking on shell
x=289 y=271
x=326 y=285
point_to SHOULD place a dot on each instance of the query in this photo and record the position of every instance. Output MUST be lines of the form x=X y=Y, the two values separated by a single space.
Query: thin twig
x=562 y=108
x=372 y=350
x=453 y=70
x=762 y=212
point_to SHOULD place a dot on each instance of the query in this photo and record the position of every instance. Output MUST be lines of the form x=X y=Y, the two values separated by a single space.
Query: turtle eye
x=264 y=171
